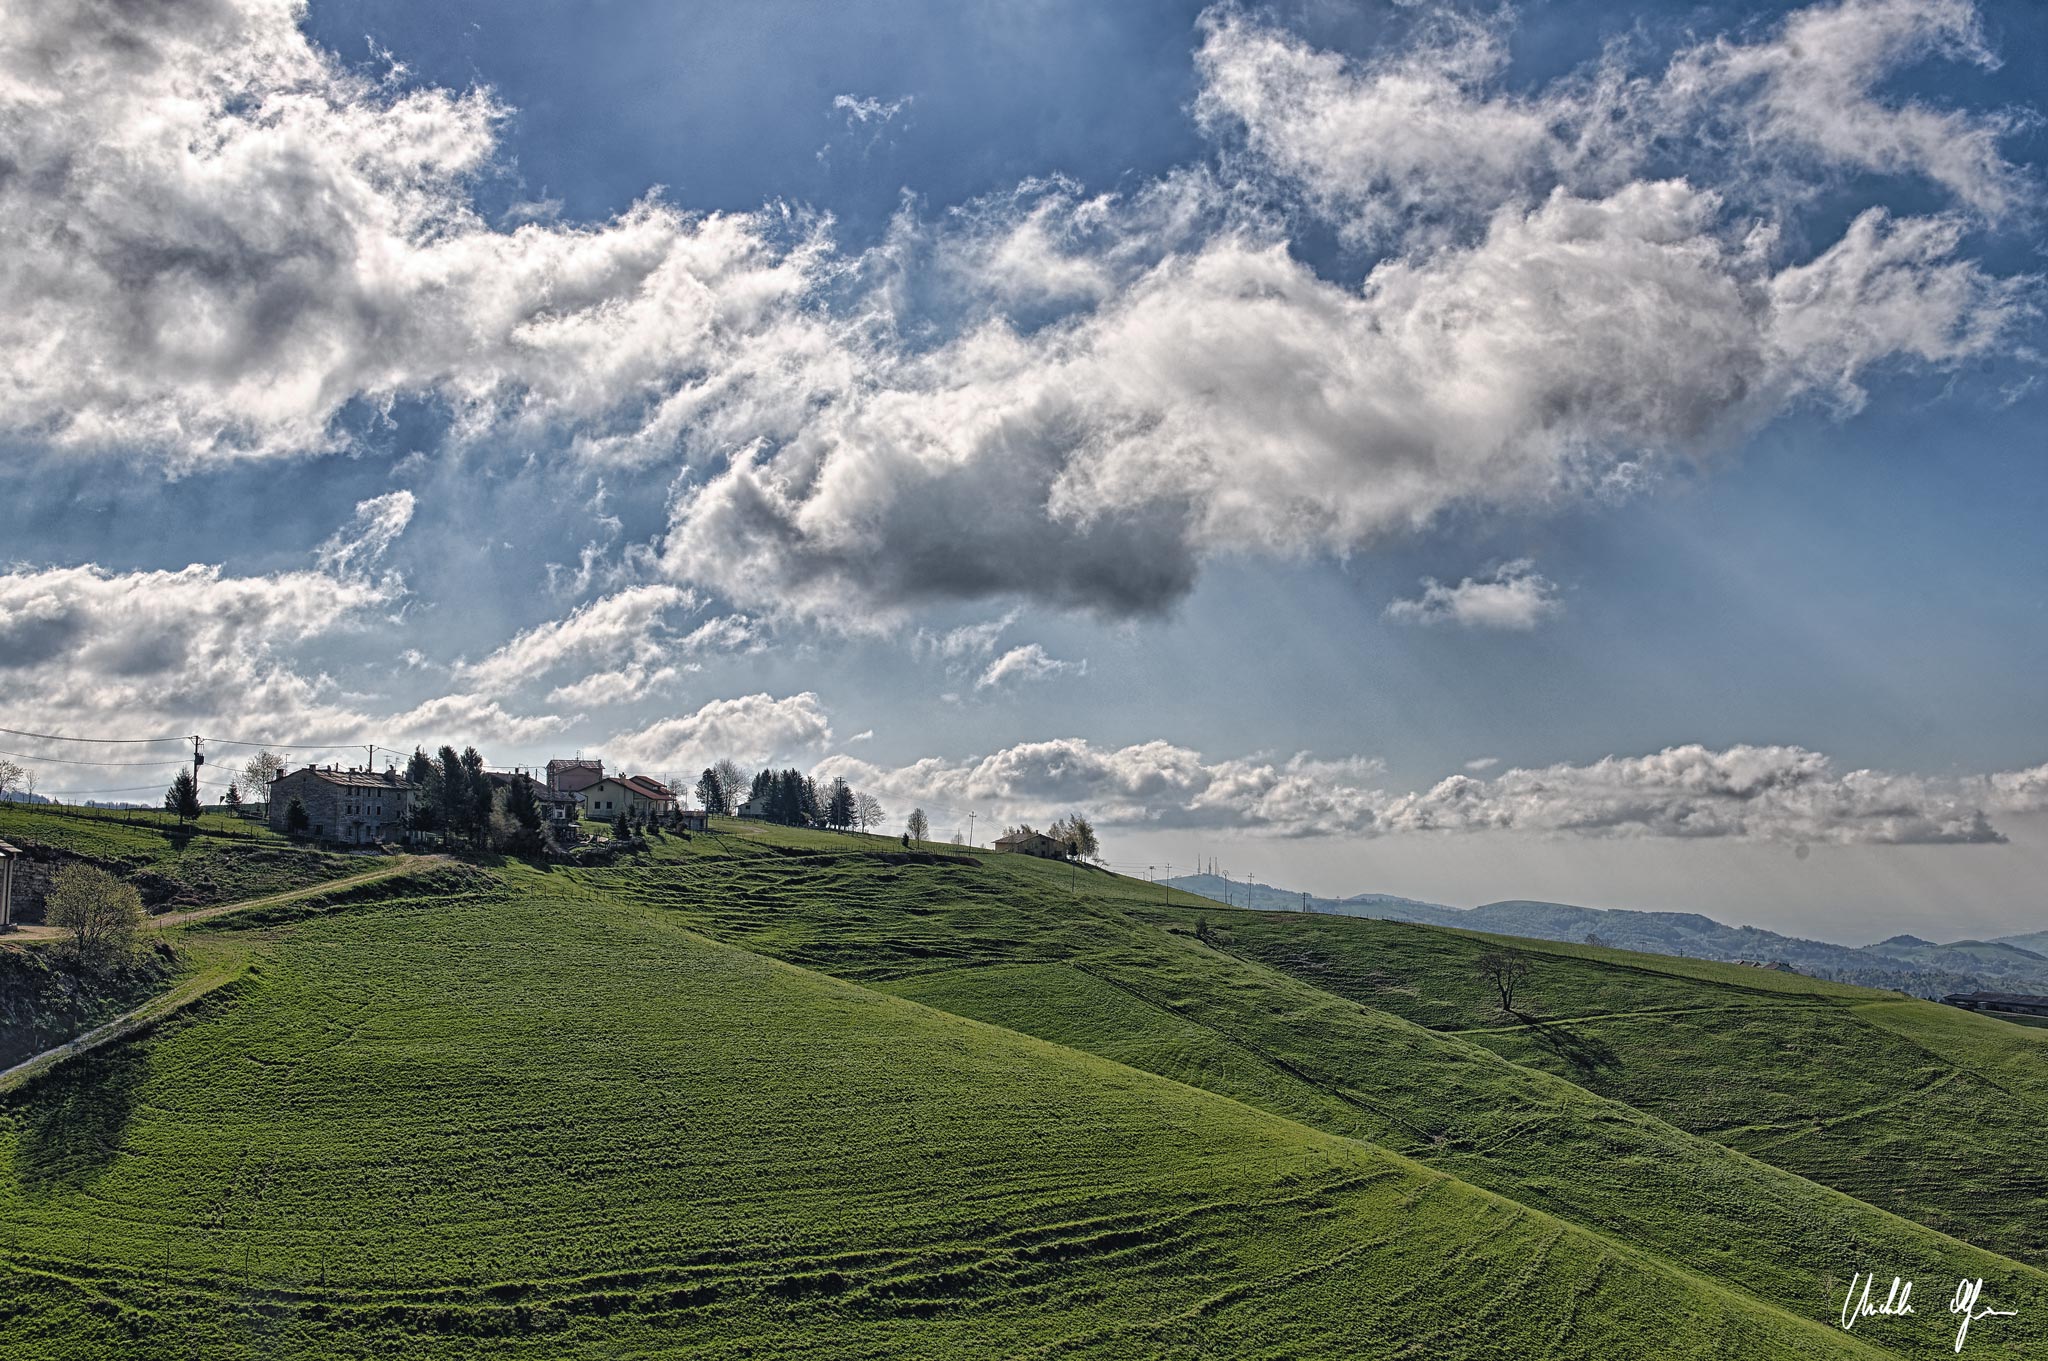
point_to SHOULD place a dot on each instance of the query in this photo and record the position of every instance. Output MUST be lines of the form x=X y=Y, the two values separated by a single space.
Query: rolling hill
x=788 y=1093
x=1905 y=963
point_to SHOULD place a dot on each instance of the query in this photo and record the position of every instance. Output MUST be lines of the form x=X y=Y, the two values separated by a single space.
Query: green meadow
x=772 y=1093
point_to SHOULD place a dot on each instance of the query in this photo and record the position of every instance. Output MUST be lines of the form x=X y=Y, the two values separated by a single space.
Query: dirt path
x=389 y=869
x=224 y=967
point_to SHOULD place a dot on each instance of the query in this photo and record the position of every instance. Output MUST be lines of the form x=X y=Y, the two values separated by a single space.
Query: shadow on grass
x=74 y=1117
x=1582 y=1050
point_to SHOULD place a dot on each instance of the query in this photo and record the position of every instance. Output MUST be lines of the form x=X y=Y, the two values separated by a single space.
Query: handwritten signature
x=1898 y=1301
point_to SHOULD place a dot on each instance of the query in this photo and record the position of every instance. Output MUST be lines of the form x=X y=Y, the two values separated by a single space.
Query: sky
x=1579 y=451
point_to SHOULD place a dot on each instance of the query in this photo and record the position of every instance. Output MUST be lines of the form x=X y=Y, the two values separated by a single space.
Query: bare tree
x=919 y=826
x=867 y=811
x=102 y=913
x=736 y=785
x=257 y=774
x=1506 y=970
x=11 y=777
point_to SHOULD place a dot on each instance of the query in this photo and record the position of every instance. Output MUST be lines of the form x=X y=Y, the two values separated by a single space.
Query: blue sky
x=1234 y=421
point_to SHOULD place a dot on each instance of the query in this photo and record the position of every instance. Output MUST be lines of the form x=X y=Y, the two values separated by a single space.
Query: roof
x=646 y=787
x=6 y=849
x=355 y=779
x=576 y=763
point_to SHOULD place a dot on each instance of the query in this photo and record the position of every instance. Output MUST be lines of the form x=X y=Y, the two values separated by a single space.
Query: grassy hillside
x=779 y=1093
x=223 y=860
x=538 y=1121
x=1923 y=1110
x=1115 y=972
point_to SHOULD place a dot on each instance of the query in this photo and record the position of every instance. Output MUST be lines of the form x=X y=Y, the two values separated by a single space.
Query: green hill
x=772 y=1093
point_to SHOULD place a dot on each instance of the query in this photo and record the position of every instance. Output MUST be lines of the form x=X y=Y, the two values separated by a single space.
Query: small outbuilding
x=8 y=855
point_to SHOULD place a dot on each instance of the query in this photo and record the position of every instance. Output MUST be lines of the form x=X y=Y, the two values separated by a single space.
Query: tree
x=867 y=811
x=1506 y=970
x=11 y=777
x=1077 y=834
x=477 y=786
x=296 y=821
x=920 y=826
x=451 y=793
x=620 y=830
x=711 y=793
x=182 y=797
x=258 y=773
x=102 y=913
x=959 y=838
x=524 y=810
x=839 y=809
x=233 y=799
x=732 y=785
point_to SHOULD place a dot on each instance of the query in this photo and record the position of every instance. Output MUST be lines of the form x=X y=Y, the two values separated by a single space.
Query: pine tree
x=182 y=797
x=451 y=794
x=233 y=799
x=839 y=809
x=711 y=793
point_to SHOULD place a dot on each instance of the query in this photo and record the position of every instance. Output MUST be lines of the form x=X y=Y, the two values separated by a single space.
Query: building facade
x=633 y=795
x=574 y=775
x=353 y=807
x=1032 y=843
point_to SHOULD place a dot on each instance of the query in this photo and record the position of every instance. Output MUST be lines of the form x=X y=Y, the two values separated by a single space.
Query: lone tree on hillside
x=258 y=772
x=296 y=821
x=1506 y=970
x=711 y=793
x=233 y=799
x=920 y=826
x=182 y=797
x=102 y=913
x=11 y=776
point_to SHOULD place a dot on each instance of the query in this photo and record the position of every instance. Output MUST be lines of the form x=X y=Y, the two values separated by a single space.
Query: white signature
x=1898 y=1301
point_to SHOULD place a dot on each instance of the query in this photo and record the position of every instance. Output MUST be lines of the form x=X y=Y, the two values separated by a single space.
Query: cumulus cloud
x=93 y=653
x=755 y=730
x=1512 y=596
x=217 y=239
x=1030 y=662
x=1778 y=794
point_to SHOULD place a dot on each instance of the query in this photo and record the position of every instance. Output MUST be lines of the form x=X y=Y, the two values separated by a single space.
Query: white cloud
x=1027 y=663
x=1482 y=763
x=1512 y=596
x=1785 y=794
x=754 y=730
x=870 y=108
x=361 y=544
x=216 y=238
x=628 y=625
x=1809 y=94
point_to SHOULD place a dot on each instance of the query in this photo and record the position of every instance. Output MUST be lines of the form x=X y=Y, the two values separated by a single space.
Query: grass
x=538 y=1121
x=776 y=1093
x=222 y=860
x=1921 y=1109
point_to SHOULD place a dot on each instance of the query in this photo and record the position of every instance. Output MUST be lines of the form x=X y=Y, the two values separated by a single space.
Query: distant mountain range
x=1923 y=968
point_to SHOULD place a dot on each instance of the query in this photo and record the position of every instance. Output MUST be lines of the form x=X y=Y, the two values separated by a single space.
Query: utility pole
x=970 y=829
x=372 y=747
x=198 y=760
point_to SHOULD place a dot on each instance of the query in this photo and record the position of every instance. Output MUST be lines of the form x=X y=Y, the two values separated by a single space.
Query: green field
x=770 y=1093
x=217 y=860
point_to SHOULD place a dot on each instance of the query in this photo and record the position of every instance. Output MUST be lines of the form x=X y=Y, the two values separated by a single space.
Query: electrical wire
x=109 y=741
x=74 y=761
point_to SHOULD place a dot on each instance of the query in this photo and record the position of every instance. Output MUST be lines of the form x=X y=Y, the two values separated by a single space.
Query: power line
x=106 y=741
x=74 y=761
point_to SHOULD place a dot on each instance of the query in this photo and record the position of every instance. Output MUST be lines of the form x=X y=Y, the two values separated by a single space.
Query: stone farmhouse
x=353 y=807
x=573 y=775
x=1032 y=843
